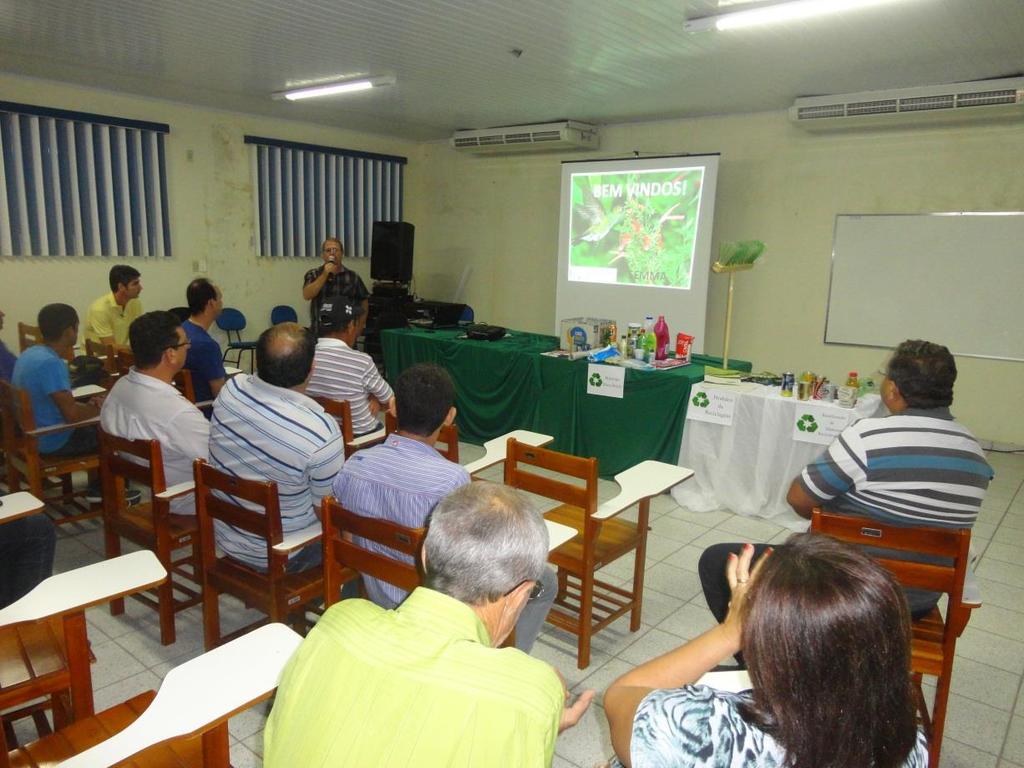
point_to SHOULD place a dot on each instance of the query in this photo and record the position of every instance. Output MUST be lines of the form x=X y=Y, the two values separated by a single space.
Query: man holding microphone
x=331 y=280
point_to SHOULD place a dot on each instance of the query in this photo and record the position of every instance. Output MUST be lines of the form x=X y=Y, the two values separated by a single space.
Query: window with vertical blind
x=79 y=184
x=306 y=192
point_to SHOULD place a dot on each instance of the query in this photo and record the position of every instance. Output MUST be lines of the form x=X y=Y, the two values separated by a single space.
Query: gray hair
x=483 y=541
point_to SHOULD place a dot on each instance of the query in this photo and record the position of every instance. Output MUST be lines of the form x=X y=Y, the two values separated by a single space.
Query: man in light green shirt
x=426 y=684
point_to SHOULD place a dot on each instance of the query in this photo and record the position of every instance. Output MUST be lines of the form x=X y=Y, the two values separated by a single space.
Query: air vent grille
x=879 y=107
x=828 y=110
x=921 y=103
x=986 y=98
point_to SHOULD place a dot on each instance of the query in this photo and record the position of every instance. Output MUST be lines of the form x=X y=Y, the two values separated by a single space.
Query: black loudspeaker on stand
x=391 y=255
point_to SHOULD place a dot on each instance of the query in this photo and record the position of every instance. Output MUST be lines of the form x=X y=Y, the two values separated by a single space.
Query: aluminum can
x=803 y=389
x=788 y=382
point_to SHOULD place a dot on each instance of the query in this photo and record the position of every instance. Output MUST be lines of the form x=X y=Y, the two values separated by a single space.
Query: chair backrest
x=578 y=494
x=105 y=352
x=125 y=360
x=340 y=525
x=447 y=440
x=16 y=407
x=183 y=383
x=216 y=496
x=282 y=313
x=342 y=413
x=231 y=319
x=951 y=543
x=115 y=465
x=28 y=336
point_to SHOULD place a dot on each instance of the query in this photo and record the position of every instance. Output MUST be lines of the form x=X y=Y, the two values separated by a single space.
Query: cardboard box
x=582 y=333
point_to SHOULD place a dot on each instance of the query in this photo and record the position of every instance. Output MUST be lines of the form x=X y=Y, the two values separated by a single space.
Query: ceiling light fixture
x=333 y=89
x=789 y=11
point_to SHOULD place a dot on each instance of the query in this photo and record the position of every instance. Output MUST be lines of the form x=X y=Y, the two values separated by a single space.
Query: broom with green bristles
x=733 y=258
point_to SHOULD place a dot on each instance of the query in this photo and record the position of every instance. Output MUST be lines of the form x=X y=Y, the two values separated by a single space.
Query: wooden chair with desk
x=933 y=637
x=282 y=596
x=44 y=649
x=150 y=524
x=47 y=477
x=585 y=603
x=185 y=724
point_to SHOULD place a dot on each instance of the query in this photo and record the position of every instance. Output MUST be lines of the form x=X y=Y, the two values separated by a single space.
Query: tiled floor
x=984 y=729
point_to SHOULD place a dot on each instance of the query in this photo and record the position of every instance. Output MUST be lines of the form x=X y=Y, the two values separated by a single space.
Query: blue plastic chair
x=282 y=313
x=232 y=321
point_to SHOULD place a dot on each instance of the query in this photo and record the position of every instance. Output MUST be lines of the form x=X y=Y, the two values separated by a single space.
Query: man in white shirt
x=341 y=372
x=145 y=405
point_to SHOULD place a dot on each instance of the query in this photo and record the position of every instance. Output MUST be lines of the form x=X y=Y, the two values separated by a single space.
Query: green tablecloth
x=507 y=384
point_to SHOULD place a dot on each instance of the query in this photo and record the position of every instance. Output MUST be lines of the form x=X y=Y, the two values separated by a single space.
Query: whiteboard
x=951 y=278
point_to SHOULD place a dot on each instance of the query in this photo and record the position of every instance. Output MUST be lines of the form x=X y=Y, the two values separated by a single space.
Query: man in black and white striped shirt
x=914 y=467
x=341 y=372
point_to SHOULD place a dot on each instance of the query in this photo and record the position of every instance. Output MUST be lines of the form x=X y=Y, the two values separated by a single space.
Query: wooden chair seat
x=253 y=587
x=81 y=735
x=34 y=664
x=616 y=538
x=140 y=517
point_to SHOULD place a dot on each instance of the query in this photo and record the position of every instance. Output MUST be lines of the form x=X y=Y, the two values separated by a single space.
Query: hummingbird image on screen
x=601 y=222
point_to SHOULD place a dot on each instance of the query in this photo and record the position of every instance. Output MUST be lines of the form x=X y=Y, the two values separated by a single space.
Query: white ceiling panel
x=601 y=61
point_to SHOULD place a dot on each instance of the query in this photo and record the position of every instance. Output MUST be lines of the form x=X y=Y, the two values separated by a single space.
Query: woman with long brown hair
x=825 y=634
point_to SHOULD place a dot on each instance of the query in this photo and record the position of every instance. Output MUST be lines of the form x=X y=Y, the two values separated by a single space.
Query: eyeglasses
x=181 y=344
x=537 y=591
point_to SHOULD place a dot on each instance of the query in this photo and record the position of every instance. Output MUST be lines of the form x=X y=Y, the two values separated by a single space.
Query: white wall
x=778 y=184
x=499 y=216
x=211 y=206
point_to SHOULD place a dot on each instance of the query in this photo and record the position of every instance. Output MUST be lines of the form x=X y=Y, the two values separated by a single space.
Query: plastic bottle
x=661 y=337
x=650 y=346
x=848 y=392
x=648 y=324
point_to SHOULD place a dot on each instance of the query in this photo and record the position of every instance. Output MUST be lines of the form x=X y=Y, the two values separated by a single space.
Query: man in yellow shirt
x=426 y=684
x=110 y=315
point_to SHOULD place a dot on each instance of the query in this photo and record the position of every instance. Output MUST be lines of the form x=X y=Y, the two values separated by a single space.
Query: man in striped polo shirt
x=404 y=478
x=264 y=428
x=341 y=372
x=914 y=467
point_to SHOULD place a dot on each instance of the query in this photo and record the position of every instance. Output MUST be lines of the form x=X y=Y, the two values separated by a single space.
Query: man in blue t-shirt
x=43 y=373
x=205 y=362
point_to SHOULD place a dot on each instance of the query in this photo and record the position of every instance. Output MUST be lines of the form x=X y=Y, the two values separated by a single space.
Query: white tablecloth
x=747 y=467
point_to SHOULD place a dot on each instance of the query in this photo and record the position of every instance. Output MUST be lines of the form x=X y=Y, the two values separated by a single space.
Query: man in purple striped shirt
x=403 y=479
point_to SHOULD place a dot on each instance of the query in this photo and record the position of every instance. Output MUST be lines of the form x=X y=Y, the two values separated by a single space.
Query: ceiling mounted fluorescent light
x=333 y=89
x=791 y=11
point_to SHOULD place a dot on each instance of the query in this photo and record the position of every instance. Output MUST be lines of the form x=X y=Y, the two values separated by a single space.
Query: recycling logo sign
x=807 y=423
x=606 y=380
x=701 y=400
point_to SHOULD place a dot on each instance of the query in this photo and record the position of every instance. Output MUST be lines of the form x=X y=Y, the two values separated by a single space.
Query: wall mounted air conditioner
x=984 y=99
x=564 y=134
